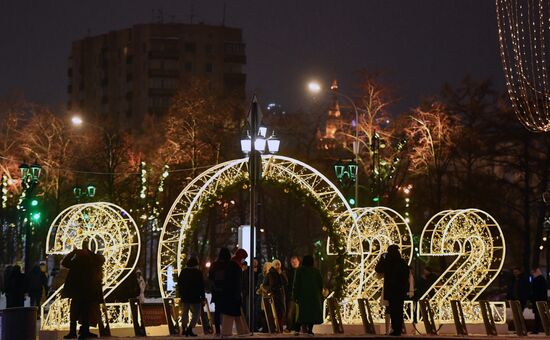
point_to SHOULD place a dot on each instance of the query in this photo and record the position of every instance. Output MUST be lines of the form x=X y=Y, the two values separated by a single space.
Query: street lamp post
x=315 y=87
x=254 y=144
x=29 y=179
x=79 y=193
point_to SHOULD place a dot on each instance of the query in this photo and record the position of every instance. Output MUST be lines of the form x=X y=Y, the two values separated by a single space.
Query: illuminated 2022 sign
x=471 y=237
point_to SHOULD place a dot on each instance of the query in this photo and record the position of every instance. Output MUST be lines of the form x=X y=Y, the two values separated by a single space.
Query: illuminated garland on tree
x=522 y=28
x=4 y=191
x=143 y=180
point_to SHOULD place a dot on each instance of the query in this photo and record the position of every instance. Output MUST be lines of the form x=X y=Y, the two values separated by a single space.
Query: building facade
x=129 y=75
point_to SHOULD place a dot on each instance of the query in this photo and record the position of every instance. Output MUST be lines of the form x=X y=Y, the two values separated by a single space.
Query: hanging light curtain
x=523 y=28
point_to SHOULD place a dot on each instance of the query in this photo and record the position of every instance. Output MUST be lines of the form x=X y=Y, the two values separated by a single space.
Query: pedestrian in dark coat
x=275 y=282
x=231 y=298
x=83 y=286
x=290 y=304
x=396 y=284
x=519 y=287
x=15 y=290
x=308 y=295
x=216 y=278
x=37 y=282
x=191 y=290
x=539 y=293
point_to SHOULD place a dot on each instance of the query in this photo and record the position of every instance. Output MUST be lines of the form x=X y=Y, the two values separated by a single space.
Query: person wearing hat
x=232 y=295
x=191 y=290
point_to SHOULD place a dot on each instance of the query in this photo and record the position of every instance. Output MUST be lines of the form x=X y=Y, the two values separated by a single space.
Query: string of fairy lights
x=523 y=27
x=151 y=209
x=5 y=191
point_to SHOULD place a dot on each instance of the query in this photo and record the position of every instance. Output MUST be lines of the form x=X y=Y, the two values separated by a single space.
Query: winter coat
x=231 y=299
x=540 y=292
x=84 y=280
x=290 y=274
x=396 y=277
x=191 y=285
x=308 y=295
x=216 y=280
x=36 y=281
x=15 y=289
x=275 y=284
x=519 y=289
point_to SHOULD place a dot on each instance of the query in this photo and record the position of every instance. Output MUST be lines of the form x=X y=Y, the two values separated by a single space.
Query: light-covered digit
x=477 y=244
x=366 y=240
x=109 y=230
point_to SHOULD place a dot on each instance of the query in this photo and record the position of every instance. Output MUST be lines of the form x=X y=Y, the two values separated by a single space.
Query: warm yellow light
x=110 y=231
x=314 y=87
x=77 y=120
x=476 y=240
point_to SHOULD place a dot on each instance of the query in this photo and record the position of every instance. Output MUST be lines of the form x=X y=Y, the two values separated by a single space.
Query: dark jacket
x=15 y=289
x=290 y=274
x=518 y=289
x=275 y=284
x=396 y=277
x=308 y=295
x=216 y=276
x=36 y=281
x=191 y=285
x=84 y=280
x=540 y=292
x=231 y=299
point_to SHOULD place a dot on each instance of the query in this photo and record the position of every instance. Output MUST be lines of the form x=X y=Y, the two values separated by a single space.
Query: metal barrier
x=458 y=317
x=103 y=322
x=171 y=315
x=488 y=320
x=366 y=316
x=427 y=317
x=335 y=316
x=137 y=317
x=544 y=313
x=517 y=316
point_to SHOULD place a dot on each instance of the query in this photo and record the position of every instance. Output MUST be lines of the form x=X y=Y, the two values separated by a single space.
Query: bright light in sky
x=76 y=120
x=314 y=86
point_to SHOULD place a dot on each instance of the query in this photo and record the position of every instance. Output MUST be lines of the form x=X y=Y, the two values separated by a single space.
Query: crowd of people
x=298 y=288
x=288 y=300
x=525 y=289
x=16 y=285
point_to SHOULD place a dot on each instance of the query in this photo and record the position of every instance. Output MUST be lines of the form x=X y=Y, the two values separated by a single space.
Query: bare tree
x=433 y=133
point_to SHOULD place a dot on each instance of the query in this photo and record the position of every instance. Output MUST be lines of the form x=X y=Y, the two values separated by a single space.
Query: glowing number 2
x=367 y=239
x=476 y=240
x=110 y=231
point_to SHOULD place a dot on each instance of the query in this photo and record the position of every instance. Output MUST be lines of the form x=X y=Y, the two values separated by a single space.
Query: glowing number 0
x=476 y=240
x=110 y=231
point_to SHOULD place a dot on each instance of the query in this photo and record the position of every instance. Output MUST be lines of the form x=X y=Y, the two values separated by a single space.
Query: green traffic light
x=351 y=201
x=376 y=199
x=34 y=203
x=36 y=216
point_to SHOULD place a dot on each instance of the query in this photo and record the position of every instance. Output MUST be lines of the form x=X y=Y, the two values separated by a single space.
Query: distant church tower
x=331 y=138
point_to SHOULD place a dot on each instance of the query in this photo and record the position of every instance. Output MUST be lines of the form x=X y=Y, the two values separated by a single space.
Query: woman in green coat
x=308 y=294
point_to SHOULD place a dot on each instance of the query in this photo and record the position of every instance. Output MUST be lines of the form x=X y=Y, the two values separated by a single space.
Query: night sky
x=416 y=45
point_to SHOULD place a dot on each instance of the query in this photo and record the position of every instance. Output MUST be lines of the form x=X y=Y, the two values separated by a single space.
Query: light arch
x=191 y=201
